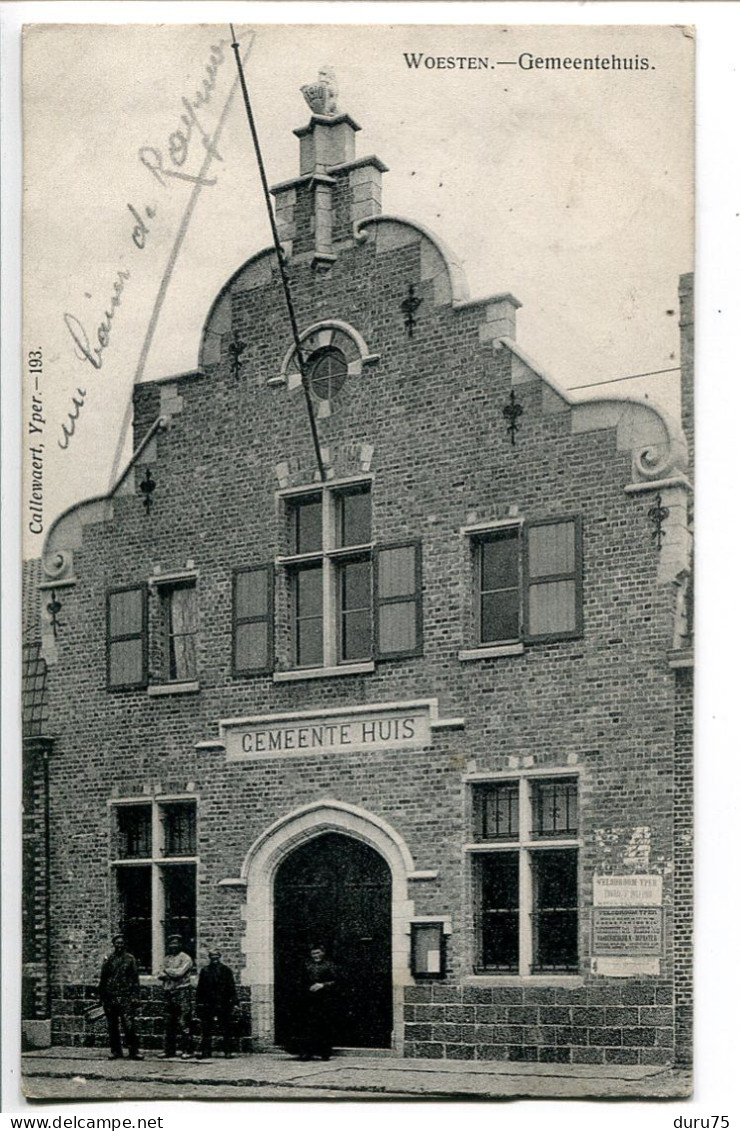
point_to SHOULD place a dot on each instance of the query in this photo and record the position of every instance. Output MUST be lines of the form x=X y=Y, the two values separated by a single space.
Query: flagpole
x=280 y=258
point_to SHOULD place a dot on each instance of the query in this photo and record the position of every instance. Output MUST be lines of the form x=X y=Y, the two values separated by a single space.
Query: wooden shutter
x=398 y=604
x=553 y=585
x=127 y=636
x=252 y=614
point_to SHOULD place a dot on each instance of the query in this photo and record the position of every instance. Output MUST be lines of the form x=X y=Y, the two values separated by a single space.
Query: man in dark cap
x=215 y=1000
x=318 y=1006
x=119 y=997
x=175 y=977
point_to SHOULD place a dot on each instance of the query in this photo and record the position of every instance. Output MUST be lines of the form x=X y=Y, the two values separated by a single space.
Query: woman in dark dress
x=319 y=1002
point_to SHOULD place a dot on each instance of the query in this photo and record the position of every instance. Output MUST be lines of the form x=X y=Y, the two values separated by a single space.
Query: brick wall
x=71 y=1026
x=684 y=886
x=35 y=1003
x=598 y=1024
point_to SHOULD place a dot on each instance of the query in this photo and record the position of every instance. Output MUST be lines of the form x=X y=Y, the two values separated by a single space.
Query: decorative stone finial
x=322 y=95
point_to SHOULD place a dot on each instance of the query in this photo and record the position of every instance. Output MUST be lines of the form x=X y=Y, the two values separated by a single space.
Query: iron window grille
x=525 y=875
x=155 y=875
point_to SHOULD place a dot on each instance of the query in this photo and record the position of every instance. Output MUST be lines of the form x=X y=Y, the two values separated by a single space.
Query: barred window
x=155 y=873
x=526 y=891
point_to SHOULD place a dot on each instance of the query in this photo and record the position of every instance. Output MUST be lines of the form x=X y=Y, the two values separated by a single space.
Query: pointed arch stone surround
x=258 y=873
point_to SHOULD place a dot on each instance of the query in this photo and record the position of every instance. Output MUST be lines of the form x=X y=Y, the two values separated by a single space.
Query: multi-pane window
x=528 y=582
x=499 y=587
x=154 y=869
x=180 y=629
x=350 y=599
x=127 y=637
x=525 y=875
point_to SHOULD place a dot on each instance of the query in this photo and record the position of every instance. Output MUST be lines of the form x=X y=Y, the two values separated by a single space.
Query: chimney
x=317 y=212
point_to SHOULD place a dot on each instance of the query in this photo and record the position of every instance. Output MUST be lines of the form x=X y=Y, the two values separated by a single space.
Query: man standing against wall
x=119 y=996
x=215 y=999
x=175 y=979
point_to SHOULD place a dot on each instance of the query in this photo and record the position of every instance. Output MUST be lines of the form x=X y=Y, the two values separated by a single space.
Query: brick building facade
x=423 y=709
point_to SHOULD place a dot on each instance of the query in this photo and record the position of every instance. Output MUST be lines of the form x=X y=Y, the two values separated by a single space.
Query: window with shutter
x=127 y=637
x=528 y=583
x=351 y=601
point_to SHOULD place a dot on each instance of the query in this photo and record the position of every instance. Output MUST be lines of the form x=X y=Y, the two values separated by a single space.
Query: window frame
x=142 y=634
x=493 y=534
x=157 y=863
x=328 y=352
x=479 y=535
x=269 y=618
x=165 y=589
x=527 y=845
x=330 y=557
x=339 y=561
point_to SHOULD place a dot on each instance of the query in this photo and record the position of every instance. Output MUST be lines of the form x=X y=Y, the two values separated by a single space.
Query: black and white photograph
x=357 y=508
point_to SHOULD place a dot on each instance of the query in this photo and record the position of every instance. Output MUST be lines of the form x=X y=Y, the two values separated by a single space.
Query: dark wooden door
x=335 y=891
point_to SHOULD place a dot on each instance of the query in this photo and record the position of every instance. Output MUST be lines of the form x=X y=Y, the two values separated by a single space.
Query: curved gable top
x=656 y=441
x=438 y=263
x=256 y=272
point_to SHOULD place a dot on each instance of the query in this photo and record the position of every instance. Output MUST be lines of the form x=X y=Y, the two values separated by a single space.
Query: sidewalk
x=86 y=1074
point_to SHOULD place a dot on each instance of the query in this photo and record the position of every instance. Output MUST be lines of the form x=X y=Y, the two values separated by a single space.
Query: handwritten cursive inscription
x=83 y=348
x=164 y=164
x=68 y=428
x=178 y=142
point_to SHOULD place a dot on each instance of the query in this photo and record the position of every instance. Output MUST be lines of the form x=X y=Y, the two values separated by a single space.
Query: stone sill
x=184 y=688
x=365 y=668
x=681 y=658
x=491 y=653
x=570 y=981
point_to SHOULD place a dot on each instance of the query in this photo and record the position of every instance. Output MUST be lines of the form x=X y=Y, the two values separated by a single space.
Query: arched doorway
x=336 y=890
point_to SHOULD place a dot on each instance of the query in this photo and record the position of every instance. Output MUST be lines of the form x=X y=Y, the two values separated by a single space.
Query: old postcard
x=357 y=511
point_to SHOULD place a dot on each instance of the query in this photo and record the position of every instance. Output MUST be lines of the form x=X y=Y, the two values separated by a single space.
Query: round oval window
x=327 y=372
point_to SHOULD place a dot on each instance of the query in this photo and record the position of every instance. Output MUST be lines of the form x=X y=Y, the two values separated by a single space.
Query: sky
x=571 y=189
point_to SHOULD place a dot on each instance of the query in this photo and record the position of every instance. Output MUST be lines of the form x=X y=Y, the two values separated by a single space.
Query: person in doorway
x=175 y=977
x=215 y=1000
x=119 y=997
x=319 y=1000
